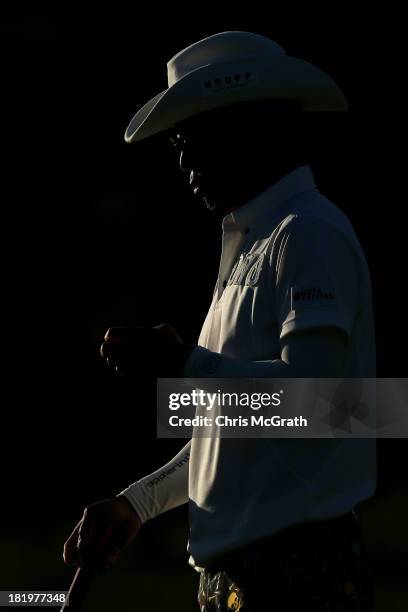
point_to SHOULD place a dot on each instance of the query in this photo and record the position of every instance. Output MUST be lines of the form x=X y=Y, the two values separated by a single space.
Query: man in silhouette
x=273 y=523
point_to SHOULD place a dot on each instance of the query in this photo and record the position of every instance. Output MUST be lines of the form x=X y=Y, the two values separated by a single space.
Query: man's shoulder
x=310 y=221
x=313 y=215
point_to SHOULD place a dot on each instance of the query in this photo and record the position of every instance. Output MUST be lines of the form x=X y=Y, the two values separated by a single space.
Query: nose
x=189 y=157
x=185 y=162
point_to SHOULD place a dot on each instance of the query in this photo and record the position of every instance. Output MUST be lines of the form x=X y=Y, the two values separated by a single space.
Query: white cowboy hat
x=232 y=67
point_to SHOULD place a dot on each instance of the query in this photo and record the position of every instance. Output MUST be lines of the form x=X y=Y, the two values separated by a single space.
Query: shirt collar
x=295 y=182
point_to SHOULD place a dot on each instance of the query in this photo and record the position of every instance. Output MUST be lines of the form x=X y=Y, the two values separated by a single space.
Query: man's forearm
x=315 y=353
x=206 y=364
x=163 y=490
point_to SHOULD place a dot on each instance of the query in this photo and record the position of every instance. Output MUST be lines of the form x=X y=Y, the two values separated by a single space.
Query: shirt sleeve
x=163 y=490
x=315 y=277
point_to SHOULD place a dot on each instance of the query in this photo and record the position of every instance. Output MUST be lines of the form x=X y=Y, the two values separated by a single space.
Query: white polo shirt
x=290 y=261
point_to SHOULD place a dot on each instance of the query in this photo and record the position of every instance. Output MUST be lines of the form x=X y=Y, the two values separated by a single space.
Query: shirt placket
x=231 y=243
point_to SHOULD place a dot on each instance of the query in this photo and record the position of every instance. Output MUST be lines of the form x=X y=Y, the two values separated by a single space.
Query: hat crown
x=232 y=46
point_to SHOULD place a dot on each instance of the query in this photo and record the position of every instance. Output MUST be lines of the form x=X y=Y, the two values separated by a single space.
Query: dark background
x=97 y=233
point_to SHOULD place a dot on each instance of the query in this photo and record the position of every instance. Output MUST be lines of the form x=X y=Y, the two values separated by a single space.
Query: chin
x=216 y=206
x=209 y=203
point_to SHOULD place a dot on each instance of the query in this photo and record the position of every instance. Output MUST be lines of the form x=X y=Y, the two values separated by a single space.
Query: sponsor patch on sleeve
x=312 y=295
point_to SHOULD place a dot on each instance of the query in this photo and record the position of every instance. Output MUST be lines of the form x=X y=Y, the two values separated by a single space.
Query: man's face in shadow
x=231 y=154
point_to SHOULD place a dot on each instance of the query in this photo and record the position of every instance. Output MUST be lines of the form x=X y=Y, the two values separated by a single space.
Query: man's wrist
x=128 y=501
x=185 y=352
x=176 y=360
x=202 y=363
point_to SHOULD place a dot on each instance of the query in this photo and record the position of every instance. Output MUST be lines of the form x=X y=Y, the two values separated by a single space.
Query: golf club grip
x=82 y=581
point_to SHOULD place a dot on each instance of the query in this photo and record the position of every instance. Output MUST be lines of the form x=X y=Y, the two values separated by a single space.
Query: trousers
x=313 y=567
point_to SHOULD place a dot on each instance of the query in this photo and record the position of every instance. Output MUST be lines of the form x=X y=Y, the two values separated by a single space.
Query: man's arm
x=163 y=490
x=314 y=353
x=109 y=526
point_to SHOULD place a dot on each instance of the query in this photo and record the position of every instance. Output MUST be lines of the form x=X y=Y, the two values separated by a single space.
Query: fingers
x=123 y=345
x=140 y=335
x=115 y=334
x=106 y=546
x=109 y=350
x=130 y=349
x=106 y=528
x=119 y=354
x=87 y=543
x=112 y=555
x=77 y=546
x=168 y=332
x=129 y=334
x=85 y=531
x=96 y=550
x=120 y=539
x=102 y=546
x=71 y=554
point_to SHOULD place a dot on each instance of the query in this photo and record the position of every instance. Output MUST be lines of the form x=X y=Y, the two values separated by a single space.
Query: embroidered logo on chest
x=247 y=270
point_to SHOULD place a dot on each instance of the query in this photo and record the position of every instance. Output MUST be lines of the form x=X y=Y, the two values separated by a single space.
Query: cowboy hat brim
x=279 y=78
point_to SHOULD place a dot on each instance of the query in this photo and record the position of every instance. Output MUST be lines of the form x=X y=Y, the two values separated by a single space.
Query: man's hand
x=156 y=351
x=105 y=530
